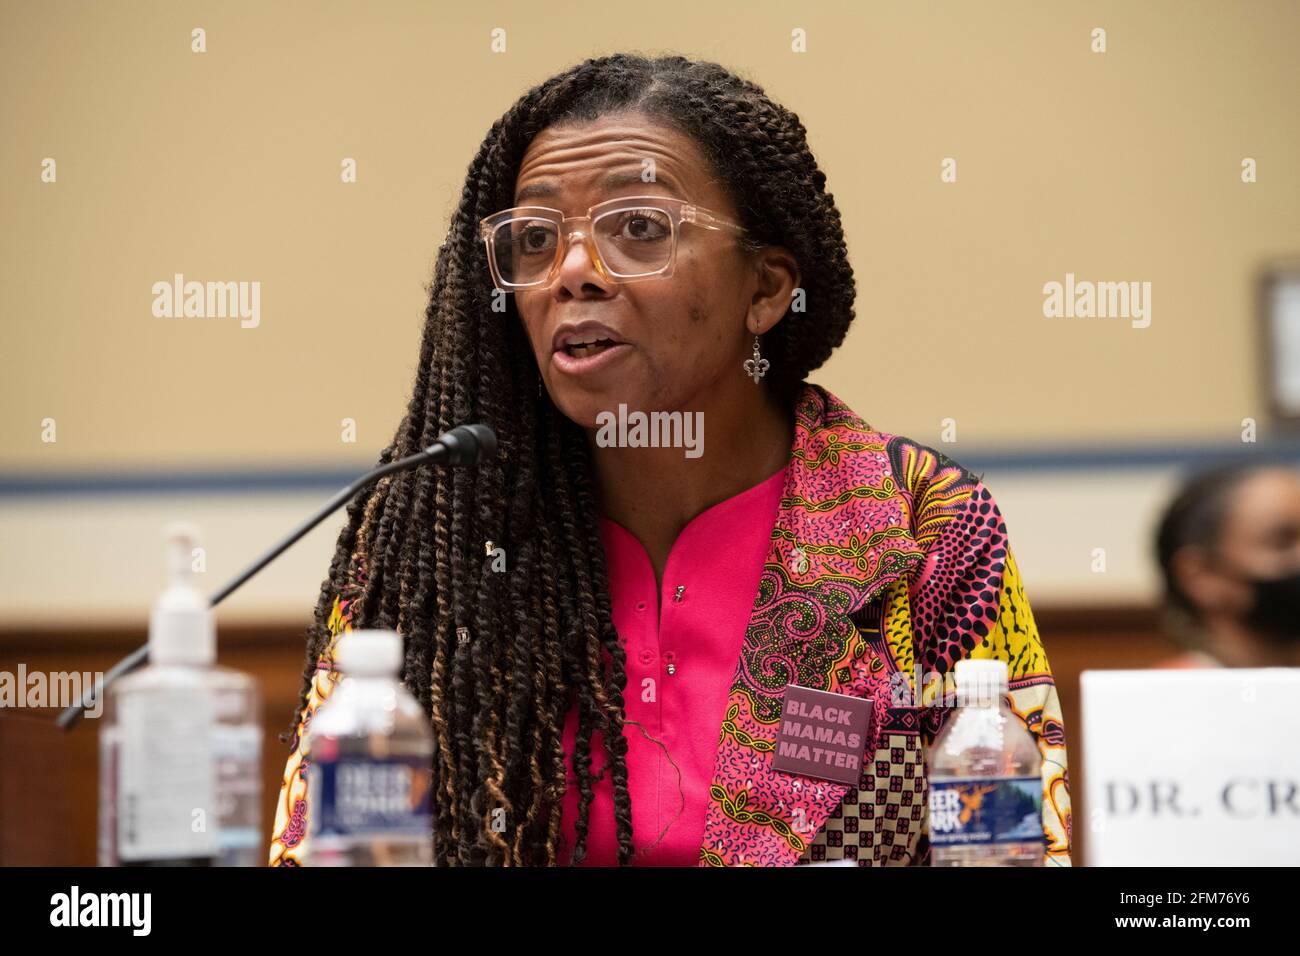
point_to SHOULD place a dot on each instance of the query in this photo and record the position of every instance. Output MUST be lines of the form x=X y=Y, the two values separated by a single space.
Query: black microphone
x=464 y=445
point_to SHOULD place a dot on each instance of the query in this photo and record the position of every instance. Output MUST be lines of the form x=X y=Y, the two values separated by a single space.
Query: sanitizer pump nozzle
x=181 y=627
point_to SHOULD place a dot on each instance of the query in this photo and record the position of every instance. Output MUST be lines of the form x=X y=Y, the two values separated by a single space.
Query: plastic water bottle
x=985 y=776
x=180 y=742
x=369 y=753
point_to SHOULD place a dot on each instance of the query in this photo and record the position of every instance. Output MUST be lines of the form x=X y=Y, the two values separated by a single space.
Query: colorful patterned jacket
x=888 y=561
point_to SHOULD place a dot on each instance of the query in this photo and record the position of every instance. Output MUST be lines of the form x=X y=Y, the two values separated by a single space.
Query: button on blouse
x=682 y=644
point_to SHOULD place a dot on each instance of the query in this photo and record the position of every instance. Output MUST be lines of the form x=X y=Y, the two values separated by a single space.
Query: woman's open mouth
x=588 y=349
x=587 y=355
x=581 y=348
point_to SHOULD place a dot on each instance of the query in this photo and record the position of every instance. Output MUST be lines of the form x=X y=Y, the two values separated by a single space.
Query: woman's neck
x=655 y=492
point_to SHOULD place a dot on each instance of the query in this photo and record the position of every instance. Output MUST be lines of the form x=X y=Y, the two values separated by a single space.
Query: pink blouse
x=681 y=659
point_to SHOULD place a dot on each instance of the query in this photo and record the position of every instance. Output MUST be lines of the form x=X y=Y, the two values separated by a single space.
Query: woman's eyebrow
x=546 y=189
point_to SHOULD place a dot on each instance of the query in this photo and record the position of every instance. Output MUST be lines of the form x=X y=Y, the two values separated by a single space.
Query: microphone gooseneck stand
x=463 y=445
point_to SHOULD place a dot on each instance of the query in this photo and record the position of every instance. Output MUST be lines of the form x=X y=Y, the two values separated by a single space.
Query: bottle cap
x=980 y=680
x=369 y=653
x=181 y=626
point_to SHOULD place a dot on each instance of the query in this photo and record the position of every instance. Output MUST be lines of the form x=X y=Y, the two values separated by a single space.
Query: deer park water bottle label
x=362 y=794
x=986 y=810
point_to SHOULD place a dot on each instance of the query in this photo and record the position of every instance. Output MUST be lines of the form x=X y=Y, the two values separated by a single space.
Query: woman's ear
x=777 y=273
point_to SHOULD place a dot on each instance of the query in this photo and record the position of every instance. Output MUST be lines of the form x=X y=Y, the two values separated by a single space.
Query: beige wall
x=225 y=166
x=99 y=560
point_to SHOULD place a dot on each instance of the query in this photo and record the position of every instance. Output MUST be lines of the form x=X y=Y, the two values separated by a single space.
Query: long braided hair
x=492 y=656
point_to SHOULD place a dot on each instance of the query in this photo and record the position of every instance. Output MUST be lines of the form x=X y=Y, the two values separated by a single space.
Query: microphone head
x=466 y=444
x=487 y=440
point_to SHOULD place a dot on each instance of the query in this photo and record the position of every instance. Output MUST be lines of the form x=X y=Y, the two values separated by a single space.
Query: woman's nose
x=579 y=253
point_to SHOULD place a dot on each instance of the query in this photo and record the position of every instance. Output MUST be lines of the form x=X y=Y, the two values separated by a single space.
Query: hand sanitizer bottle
x=180 y=742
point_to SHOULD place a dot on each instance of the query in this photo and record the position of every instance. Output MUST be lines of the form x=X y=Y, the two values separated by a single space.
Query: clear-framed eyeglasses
x=628 y=238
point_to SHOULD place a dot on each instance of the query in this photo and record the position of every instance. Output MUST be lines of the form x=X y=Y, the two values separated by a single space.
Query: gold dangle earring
x=757 y=366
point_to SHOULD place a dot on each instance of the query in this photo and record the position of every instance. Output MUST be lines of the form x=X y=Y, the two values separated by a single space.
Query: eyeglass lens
x=633 y=241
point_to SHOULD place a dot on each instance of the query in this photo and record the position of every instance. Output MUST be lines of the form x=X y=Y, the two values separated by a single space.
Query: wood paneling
x=49 y=778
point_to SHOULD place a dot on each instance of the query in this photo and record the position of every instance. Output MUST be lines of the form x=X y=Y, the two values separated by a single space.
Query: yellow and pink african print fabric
x=889 y=562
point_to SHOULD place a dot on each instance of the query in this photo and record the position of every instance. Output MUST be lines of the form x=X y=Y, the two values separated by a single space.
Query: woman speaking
x=602 y=622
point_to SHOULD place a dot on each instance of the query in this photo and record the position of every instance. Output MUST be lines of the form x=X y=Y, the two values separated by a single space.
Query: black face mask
x=1275 y=613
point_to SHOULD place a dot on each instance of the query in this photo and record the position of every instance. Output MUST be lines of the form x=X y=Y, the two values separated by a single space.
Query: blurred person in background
x=1228 y=546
